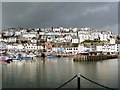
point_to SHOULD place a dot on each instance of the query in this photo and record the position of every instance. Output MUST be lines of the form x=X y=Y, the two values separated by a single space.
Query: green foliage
x=118 y=37
x=23 y=42
x=17 y=41
x=92 y=41
x=75 y=44
x=88 y=41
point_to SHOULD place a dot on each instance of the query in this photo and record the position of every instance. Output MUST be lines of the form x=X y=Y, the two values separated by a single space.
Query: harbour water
x=51 y=73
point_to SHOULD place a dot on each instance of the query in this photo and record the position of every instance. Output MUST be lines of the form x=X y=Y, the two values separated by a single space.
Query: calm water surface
x=51 y=73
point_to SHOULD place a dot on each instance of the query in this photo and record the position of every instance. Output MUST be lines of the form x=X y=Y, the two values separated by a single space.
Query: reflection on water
x=44 y=73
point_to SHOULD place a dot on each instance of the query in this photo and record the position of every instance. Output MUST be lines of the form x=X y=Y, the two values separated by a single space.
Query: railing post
x=78 y=81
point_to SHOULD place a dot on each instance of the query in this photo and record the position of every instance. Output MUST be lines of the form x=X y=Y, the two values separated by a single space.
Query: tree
x=75 y=44
x=118 y=37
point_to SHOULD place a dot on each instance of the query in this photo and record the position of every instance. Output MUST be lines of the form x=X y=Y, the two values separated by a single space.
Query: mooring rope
x=86 y=79
x=66 y=82
x=96 y=83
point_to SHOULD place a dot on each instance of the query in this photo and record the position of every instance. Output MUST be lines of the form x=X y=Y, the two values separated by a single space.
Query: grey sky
x=48 y=14
x=0 y=16
x=60 y=0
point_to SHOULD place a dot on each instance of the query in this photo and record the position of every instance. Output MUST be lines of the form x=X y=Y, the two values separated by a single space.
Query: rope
x=96 y=83
x=66 y=82
x=86 y=79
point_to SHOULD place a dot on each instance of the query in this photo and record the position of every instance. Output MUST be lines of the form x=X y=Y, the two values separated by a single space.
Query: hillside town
x=59 y=40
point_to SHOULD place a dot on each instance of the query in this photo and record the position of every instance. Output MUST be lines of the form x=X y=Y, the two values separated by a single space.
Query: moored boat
x=5 y=59
x=53 y=56
x=31 y=55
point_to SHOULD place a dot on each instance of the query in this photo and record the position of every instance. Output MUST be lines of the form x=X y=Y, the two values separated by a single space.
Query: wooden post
x=78 y=81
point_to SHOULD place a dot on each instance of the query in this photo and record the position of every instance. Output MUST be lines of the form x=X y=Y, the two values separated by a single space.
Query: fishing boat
x=18 y=57
x=2 y=52
x=5 y=59
x=52 y=55
x=23 y=56
x=31 y=55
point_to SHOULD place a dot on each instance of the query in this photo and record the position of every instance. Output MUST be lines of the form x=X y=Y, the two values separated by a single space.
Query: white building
x=41 y=33
x=15 y=47
x=53 y=33
x=33 y=40
x=17 y=33
x=92 y=34
x=66 y=29
x=50 y=38
x=107 y=48
x=3 y=45
x=3 y=39
x=68 y=38
x=56 y=29
x=60 y=39
x=80 y=48
x=8 y=33
x=73 y=33
x=0 y=35
x=29 y=35
x=83 y=35
x=58 y=49
x=75 y=39
x=33 y=47
x=11 y=39
x=99 y=48
x=114 y=48
x=75 y=29
x=105 y=35
x=73 y=50
x=112 y=41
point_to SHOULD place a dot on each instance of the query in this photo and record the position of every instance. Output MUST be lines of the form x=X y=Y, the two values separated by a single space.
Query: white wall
x=0 y=35
x=99 y=48
x=80 y=48
x=29 y=35
x=56 y=29
x=112 y=41
x=108 y=48
x=75 y=41
x=33 y=47
x=17 y=33
x=18 y=47
x=71 y=49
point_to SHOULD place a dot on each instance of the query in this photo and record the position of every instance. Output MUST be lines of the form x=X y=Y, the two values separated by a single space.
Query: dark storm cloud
x=48 y=14
x=0 y=15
